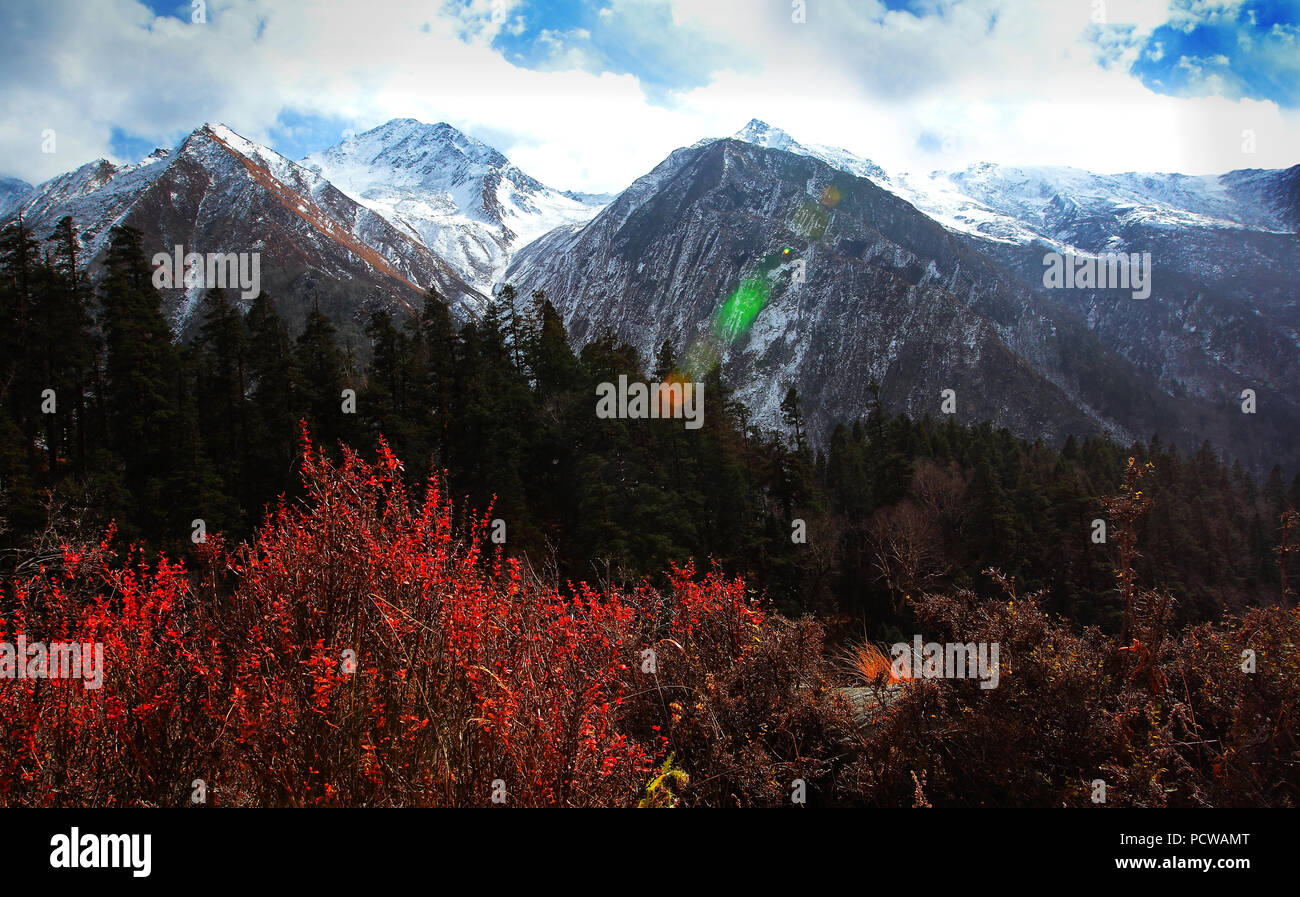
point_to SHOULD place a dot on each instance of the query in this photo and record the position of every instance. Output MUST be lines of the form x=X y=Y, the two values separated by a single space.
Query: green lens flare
x=738 y=313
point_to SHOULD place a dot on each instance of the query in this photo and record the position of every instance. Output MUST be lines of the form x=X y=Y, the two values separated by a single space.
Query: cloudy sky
x=590 y=95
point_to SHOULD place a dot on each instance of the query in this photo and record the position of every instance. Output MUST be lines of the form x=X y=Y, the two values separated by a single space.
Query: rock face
x=1223 y=313
x=1222 y=316
x=221 y=193
x=460 y=197
x=887 y=293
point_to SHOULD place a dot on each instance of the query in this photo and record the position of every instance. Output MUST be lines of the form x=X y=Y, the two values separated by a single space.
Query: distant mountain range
x=924 y=282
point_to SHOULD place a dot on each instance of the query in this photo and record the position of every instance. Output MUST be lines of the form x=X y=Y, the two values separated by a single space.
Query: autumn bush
x=1198 y=718
x=751 y=719
x=370 y=647
x=363 y=649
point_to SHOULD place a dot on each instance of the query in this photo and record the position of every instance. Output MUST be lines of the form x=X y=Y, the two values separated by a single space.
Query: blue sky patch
x=637 y=39
x=1252 y=51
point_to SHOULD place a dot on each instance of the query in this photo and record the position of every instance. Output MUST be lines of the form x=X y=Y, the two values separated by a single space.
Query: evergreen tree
x=320 y=365
x=71 y=350
x=792 y=415
x=221 y=389
x=440 y=370
x=142 y=373
x=20 y=397
x=556 y=368
x=275 y=406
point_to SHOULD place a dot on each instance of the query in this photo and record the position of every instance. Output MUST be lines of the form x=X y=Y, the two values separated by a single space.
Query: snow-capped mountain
x=460 y=197
x=97 y=195
x=1224 y=313
x=1046 y=204
x=891 y=293
x=886 y=293
x=924 y=283
x=12 y=190
x=760 y=133
x=935 y=194
x=219 y=192
x=1065 y=205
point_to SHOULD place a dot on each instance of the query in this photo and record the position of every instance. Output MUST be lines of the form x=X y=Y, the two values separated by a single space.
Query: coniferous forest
x=593 y=611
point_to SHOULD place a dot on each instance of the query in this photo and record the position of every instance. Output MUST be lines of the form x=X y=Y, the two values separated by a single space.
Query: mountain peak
x=213 y=136
x=227 y=137
x=215 y=128
x=414 y=141
x=459 y=196
x=399 y=126
x=761 y=133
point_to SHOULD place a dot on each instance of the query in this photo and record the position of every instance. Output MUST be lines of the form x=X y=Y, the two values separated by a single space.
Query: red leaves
x=363 y=656
x=61 y=739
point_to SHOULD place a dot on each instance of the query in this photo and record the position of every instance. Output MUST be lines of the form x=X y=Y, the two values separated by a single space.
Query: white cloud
x=1006 y=80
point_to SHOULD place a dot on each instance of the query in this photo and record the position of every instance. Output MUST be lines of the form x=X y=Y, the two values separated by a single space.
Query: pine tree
x=320 y=366
x=19 y=386
x=792 y=415
x=440 y=370
x=394 y=397
x=20 y=381
x=665 y=361
x=142 y=372
x=72 y=351
x=222 y=387
x=990 y=526
x=556 y=368
x=275 y=406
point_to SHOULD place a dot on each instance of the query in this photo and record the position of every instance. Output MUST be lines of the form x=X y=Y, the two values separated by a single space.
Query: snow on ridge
x=1015 y=205
x=460 y=197
x=760 y=133
x=457 y=196
x=282 y=168
x=97 y=195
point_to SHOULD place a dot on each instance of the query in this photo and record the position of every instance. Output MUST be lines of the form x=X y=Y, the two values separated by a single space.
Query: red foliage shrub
x=361 y=651
x=463 y=676
x=365 y=655
x=141 y=731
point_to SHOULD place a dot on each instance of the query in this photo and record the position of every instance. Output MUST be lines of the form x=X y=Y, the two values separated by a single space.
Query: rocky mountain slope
x=887 y=293
x=219 y=192
x=11 y=191
x=458 y=196
x=1223 y=312
x=792 y=264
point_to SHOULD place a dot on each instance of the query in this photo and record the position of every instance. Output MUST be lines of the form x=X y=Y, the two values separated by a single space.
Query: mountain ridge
x=463 y=199
x=919 y=300
x=220 y=192
x=659 y=261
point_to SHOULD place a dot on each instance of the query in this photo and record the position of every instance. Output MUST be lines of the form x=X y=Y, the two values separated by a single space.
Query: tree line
x=108 y=418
